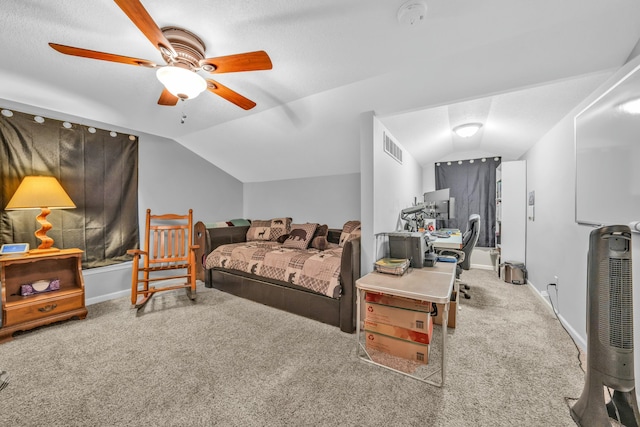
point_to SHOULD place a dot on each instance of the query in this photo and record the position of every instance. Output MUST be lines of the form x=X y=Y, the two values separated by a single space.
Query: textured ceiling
x=332 y=60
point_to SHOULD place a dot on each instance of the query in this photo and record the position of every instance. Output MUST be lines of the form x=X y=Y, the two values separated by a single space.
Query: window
x=97 y=168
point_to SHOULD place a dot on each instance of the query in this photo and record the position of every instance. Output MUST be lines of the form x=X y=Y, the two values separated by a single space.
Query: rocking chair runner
x=167 y=246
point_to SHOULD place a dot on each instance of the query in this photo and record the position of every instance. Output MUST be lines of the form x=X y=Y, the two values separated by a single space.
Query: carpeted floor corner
x=231 y=362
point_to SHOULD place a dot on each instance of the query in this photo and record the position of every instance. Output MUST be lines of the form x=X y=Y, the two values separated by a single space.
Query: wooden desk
x=433 y=284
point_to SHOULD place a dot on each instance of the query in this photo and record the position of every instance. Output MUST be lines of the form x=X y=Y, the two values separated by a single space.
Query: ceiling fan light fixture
x=183 y=83
x=467 y=130
x=630 y=107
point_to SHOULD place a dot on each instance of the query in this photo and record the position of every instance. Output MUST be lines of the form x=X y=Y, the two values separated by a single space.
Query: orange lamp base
x=41 y=234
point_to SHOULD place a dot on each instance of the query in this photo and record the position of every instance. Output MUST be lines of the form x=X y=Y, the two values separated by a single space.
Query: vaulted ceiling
x=517 y=66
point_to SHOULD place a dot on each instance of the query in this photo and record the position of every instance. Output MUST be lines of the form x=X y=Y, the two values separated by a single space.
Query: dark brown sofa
x=339 y=312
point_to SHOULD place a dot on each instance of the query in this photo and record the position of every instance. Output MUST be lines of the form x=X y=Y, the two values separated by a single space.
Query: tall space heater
x=609 y=332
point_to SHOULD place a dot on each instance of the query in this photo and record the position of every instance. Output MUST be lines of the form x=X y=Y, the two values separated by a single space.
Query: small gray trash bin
x=513 y=272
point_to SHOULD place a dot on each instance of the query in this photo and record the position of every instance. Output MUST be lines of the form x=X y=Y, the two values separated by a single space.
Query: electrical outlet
x=556 y=280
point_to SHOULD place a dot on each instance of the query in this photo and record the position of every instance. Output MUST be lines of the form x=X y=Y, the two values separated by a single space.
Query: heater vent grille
x=391 y=148
x=616 y=304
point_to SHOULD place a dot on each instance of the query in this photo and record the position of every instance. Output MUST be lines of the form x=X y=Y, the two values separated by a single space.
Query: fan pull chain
x=184 y=115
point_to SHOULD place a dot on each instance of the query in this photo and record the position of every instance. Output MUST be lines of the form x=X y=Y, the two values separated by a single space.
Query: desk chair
x=463 y=256
x=168 y=254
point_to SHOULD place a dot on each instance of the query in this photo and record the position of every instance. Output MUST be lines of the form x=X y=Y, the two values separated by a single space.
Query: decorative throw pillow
x=350 y=230
x=269 y=229
x=279 y=227
x=300 y=236
x=320 y=241
x=259 y=230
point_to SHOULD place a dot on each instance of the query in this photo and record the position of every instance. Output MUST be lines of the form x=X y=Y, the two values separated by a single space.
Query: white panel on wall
x=607 y=153
x=514 y=211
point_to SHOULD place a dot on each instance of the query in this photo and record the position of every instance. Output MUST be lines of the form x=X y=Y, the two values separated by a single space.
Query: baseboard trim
x=107 y=297
x=106 y=269
x=482 y=267
x=577 y=338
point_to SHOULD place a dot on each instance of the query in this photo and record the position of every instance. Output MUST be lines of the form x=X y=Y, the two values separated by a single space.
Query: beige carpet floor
x=231 y=362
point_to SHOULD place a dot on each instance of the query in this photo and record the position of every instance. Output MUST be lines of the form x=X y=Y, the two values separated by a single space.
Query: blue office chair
x=463 y=256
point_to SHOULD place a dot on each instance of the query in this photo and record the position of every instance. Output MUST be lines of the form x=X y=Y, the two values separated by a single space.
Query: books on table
x=395 y=266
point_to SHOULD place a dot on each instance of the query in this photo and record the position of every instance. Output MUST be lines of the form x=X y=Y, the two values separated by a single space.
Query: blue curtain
x=473 y=185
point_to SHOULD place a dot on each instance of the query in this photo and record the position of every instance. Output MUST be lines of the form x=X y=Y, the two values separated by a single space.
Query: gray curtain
x=97 y=170
x=473 y=185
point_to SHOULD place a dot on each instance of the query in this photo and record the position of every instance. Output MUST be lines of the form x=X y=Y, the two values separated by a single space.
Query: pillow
x=350 y=230
x=239 y=222
x=300 y=236
x=259 y=230
x=269 y=229
x=279 y=227
x=217 y=224
x=320 y=241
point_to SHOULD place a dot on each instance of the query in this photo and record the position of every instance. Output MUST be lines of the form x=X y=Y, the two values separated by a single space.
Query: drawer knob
x=47 y=308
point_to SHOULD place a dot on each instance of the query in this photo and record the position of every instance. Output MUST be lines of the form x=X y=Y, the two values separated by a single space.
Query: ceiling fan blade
x=167 y=98
x=230 y=95
x=249 y=61
x=86 y=53
x=145 y=23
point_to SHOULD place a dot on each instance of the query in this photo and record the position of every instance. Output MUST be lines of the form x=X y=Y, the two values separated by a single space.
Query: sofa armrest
x=349 y=273
x=210 y=238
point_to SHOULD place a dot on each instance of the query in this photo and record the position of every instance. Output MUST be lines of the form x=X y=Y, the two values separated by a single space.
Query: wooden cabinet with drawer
x=23 y=312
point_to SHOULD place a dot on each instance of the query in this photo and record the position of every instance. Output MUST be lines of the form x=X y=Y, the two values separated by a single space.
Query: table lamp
x=44 y=193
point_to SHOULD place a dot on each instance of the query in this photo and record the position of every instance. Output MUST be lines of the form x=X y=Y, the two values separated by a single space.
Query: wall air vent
x=391 y=148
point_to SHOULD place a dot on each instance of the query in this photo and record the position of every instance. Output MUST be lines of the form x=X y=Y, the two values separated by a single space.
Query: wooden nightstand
x=21 y=313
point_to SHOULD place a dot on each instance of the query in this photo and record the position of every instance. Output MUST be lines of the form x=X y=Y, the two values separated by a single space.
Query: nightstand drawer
x=20 y=313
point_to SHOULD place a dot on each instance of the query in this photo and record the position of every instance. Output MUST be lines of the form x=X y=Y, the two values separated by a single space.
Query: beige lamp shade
x=37 y=192
x=44 y=193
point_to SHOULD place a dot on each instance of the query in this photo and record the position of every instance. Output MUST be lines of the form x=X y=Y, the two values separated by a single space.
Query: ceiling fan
x=184 y=55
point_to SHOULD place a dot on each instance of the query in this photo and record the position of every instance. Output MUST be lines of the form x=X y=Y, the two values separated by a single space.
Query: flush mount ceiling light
x=630 y=107
x=412 y=12
x=183 y=83
x=467 y=130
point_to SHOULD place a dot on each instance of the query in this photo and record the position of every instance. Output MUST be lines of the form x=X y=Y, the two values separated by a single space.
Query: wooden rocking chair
x=167 y=246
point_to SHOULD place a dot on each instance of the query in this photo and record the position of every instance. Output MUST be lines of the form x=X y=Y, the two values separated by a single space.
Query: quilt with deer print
x=312 y=269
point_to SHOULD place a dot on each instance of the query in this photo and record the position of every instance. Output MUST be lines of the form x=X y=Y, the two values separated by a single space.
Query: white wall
x=395 y=187
x=556 y=244
x=429 y=178
x=172 y=178
x=331 y=200
x=367 y=254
